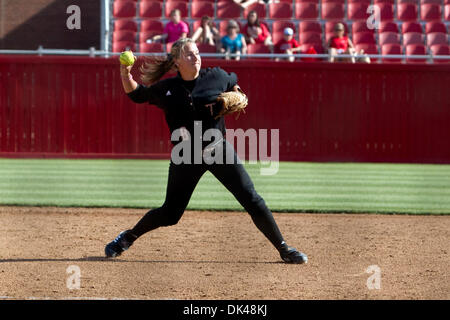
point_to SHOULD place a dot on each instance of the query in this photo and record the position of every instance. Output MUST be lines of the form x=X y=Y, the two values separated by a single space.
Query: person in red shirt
x=287 y=45
x=340 y=44
x=256 y=31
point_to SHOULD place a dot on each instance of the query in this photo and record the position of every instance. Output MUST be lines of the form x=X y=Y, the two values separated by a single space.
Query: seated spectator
x=174 y=29
x=207 y=33
x=340 y=44
x=233 y=41
x=287 y=45
x=256 y=32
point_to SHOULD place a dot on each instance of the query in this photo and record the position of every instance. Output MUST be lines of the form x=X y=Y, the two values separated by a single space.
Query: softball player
x=183 y=99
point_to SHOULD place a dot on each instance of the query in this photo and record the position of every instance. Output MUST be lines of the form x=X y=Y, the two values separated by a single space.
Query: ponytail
x=156 y=67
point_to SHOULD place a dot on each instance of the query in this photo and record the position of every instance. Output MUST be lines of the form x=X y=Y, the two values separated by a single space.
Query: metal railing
x=102 y=53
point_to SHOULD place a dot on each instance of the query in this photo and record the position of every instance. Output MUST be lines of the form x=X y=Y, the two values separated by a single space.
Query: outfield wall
x=75 y=107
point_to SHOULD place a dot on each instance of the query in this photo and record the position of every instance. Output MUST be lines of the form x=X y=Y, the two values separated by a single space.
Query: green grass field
x=297 y=187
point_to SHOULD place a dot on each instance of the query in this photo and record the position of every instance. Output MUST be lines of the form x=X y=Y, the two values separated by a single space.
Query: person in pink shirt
x=175 y=29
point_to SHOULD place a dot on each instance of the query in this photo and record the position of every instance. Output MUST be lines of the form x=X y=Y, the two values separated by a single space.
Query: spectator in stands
x=244 y=4
x=174 y=29
x=340 y=44
x=256 y=31
x=233 y=41
x=287 y=45
x=207 y=33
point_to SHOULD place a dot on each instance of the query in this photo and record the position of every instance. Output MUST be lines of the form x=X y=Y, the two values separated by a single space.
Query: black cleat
x=292 y=255
x=119 y=244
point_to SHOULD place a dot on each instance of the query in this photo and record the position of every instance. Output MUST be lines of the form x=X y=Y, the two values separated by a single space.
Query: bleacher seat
x=415 y=49
x=388 y=26
x=369 y=48
x=386 y=11
x=388 y=37
x=228 y=10
x=260 y=9
x=257 y=48
x=180 y=5
x=281 y=10
x=309 y=26
x=361 y=26
x=435 y=26
x=306 y=10
x=151 y=47
x=206 y=48
x=412 y=38
x=124 y=35
x=447 y=12
x=434 y=38
x=440 y=50
x=317 y=46
x=150 y=9
x=120 y=46
x=411 y=27
x=359 y=1
x=363 y=37
x=124 y=9
x=391 y=48
x=407 y=11
x=430 y=1
x=333 y=11
x=358 y=11
x=152 y=25
x=125 y=24
x=202 y=8
x=430 y=12
x=145 y=35
x=310 y=38
x=383 y=1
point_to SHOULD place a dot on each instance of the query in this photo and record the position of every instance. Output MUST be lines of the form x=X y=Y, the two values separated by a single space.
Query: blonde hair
x=154 y=68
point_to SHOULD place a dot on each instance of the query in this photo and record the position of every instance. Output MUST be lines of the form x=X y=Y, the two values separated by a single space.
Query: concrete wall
x=26 y=24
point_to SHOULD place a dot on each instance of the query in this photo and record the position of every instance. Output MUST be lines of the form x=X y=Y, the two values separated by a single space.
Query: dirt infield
x=221 y=255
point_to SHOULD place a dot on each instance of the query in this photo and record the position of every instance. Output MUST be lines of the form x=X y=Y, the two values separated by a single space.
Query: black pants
x=182 y=181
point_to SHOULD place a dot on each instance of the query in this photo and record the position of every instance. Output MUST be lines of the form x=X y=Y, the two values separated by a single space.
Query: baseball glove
x=232 y=102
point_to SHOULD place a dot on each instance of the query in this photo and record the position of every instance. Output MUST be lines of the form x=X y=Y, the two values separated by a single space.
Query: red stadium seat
x=436 y=38
x=303 y=1
x=391 y=49
x=440 y=50
x=388 y=26
x=334 y=1
x=306 y=10
x=383 y=1
x=257 y=48
x=120 y=46
x=310 y=38
x=119 y=36
x=358 y=11
x=368 y=48
x=386 y=11
x=151 y=0
x=415 y=49
x=333 y=11
x=412 y=38
x=361 y=26
x=411 y=27
x=430 y=1
x=202 y=8
x=317 y=46
x=281 y=10
x=180 y=5
x=145 y=35
x=407 y=11
x=363 y=37
x=125 y=24
x=258 y=7
x=228 y=10
x=124 y=9
x=151 y=47
x=388 y=37
x=360 y=1
x=152 y=25
x=430 y=12
x=447 y=12
x=206 y=48
x=309 y=26
x=435 y=26
x=150 y=9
